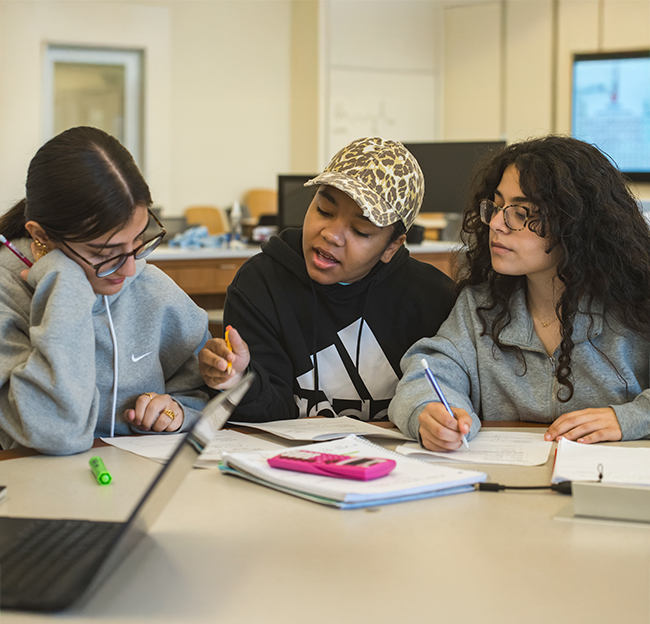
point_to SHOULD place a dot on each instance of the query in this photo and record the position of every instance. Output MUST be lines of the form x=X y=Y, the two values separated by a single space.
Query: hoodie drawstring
x=114 y=338
x=314 y=346
x=357 y=362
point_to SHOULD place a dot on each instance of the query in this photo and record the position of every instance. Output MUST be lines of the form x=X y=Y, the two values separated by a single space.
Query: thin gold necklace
x=544 y=325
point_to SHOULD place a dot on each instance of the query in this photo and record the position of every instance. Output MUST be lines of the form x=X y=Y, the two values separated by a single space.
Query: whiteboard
x=392 y=105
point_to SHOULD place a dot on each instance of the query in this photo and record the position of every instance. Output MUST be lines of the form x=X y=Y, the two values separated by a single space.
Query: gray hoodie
x=494 y=385
x=57 y=358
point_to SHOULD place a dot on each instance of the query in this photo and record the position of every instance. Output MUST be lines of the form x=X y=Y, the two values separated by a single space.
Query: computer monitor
x=447 y=169
x=610 y=107
x=293 y=199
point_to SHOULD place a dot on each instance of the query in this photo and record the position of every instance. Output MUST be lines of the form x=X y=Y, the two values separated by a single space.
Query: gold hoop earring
x=41 y=251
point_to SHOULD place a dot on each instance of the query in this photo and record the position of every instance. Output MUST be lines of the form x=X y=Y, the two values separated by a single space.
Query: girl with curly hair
x=552 y=323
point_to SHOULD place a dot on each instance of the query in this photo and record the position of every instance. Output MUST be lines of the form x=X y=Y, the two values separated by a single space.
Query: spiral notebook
x=411 y=480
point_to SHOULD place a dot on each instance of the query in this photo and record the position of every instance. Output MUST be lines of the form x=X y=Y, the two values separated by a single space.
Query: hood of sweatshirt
x=287 y=250
x=24 y=245
x=99 y=301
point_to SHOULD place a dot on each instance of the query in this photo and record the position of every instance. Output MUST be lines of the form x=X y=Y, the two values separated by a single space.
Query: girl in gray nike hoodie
x=552 y=323
x=95 y=342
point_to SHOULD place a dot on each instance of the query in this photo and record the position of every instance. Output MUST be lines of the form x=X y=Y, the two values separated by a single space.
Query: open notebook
x=47 y=564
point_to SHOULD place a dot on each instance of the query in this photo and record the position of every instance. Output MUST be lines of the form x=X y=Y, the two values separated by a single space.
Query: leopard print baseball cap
x=381 y=176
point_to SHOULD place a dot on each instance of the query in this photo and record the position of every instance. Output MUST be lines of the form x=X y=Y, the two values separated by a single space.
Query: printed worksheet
x=323 y=429
x=160 y=447
x=490 y=447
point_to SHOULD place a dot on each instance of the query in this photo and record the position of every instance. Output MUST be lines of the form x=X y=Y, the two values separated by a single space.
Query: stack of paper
x=411 y=479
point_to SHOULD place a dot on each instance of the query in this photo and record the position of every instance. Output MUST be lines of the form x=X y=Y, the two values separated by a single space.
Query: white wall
x=380 y=69
x=217 y=89
x=528 y=66
x=27 y=27
x=305 y=80
x=230 y=98
x=507 y=64
x=221 y=78
x=473 y=73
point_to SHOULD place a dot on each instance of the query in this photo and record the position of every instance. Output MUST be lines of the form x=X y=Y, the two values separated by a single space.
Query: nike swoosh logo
x=137 y=359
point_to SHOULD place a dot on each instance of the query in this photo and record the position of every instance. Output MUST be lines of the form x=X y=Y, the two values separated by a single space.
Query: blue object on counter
x=198 y=237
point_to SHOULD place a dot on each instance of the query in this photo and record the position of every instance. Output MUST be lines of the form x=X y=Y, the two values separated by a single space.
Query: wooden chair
x=261 y=202
x=210 y=216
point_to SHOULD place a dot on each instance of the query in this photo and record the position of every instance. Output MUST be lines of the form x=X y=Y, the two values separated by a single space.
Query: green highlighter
x=99 y=470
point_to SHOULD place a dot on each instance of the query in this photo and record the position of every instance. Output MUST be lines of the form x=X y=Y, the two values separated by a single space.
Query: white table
x=231 y=552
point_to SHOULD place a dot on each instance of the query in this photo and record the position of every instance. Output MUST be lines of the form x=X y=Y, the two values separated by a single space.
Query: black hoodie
x=285 y=317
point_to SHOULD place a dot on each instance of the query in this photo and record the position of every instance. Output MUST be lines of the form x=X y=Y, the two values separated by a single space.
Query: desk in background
x=227 y=551
x=205 y=274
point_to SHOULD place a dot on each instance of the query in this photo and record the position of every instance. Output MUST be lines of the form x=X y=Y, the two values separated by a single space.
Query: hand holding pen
x=442 y=429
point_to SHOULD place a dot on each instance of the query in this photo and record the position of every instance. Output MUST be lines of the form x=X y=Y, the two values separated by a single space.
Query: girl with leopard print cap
x=325 y=312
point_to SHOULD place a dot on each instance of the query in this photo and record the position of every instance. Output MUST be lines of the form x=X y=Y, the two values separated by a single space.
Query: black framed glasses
x=107 y=267
x=515 y=217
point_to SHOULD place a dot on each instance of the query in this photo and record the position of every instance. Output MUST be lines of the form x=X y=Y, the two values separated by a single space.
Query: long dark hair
x=594 y=224
x=80 y=185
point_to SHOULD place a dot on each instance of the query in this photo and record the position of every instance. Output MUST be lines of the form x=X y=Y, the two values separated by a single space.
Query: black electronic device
x=293 y=199
x=447 y=168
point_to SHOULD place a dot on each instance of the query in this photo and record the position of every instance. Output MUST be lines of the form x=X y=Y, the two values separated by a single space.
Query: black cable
x=564 y=487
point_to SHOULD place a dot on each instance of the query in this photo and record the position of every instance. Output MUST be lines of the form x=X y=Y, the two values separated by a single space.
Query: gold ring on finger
x=169 y=413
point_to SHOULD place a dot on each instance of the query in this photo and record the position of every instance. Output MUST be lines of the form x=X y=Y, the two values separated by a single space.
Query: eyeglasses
x=108 y=267
x=515 y=217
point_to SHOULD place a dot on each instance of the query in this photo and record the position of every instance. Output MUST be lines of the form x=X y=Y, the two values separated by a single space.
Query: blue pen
x=441 y=396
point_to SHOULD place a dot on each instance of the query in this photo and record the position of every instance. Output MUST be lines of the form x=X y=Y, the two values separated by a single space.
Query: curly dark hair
x=592 y=221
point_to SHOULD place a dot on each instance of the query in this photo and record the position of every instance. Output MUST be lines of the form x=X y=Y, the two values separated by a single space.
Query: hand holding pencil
x=223 y=361
x=229 y=369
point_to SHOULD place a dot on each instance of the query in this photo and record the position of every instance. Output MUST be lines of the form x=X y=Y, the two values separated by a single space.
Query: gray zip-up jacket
x=609 y=363
x=57 y=356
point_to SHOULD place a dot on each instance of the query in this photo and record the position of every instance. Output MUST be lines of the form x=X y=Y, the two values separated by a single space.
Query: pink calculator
x=341 y=466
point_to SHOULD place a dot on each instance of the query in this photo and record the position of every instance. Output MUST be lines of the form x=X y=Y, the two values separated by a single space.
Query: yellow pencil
x=229 y=369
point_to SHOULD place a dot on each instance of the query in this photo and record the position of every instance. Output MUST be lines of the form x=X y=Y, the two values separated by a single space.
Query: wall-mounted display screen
x=611 y=107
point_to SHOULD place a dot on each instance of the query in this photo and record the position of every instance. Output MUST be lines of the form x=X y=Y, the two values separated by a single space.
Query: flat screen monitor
x=447 y=169
x=293 y=199
x=610 y=107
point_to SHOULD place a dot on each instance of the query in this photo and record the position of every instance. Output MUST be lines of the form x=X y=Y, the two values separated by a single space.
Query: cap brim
x=365 y=197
